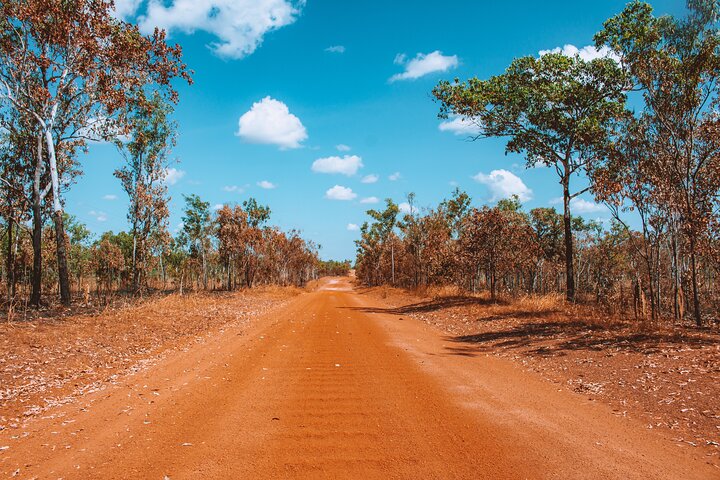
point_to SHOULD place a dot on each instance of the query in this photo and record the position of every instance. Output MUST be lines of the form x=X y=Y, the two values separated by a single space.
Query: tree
x=499 y=242
x=232 y=226
x=556 y=110
x=675 y=63
x=72 y=69
x=79 y=242
x=109 y=262
x=196 y=228
x=257 y=216
x=15 y=157
x=382 y=230
x=146 y=152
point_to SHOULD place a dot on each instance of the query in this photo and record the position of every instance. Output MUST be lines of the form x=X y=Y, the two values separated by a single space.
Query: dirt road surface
x=328 y=387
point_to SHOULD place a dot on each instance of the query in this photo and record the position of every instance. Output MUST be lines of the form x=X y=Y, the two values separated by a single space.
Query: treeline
x=655 y=163
x=507 y=251
x=72 y=74
x=226 y=249
x=334 y=268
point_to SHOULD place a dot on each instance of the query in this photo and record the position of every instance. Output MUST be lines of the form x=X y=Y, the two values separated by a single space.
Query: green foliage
x=511 y=204
x=257 y=214
x=552 y=109
x=196 y=224
x=385 y=220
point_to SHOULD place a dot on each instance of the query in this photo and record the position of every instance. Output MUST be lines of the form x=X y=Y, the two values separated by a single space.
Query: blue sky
x=270 y=63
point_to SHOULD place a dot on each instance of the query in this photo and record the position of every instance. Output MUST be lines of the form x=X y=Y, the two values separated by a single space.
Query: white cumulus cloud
x=459 y=126
x=269 y=121
x=353 y=227
x=266 y=185
x=173 y=175
x=339 y=192
x=587 y=53
x=238 y=25
x=370 y=200
x=580 y=205
x=346 y=165
x=406 y=208
x=336 y=49
x=504 y=184
x=126 y=8
x=424 y=64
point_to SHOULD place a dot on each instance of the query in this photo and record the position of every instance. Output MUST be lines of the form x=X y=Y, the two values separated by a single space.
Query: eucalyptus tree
x=675 y=63
x=71 y=67
x=146 y=161
x=15 y=158
x=555 y=110
x=257 y=216
x=382 y=229
x=196 y=230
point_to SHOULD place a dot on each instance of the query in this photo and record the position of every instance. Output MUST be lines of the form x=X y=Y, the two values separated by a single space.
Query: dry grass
x=665 y=375
x=46 y=361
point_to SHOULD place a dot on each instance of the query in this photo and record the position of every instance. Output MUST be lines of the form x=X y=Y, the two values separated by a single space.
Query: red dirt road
x=326 y=388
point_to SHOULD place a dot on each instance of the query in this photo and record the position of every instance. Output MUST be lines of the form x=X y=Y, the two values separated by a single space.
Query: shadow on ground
x=548 y=332
x=430 y=305
x=556 y=338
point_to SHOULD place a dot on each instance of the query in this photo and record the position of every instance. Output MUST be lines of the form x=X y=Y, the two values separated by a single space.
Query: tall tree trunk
x=10 y=260
x=392 y=261
x=135 y=272
x=36 y=294
x=693 y=274
x=567 y=224
x=229 y=275
x=493 y=294
x=63 y=273
x=204 y=267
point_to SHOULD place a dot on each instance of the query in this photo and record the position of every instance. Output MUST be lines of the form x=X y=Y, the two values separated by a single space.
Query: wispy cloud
x=336 y=49
x=424 y=64
x=459 y=126
x=370 y=200
x=580 y=205
x=266 y=185
x=342 y=148
x=587 y=53
x=353 y=227
x=98 y=216
x=394 y=177
x=110 y=197
x=372 y=178
x=173 y=175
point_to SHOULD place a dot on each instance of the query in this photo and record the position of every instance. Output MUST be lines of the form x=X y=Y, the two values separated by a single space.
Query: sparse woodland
x=71 y=74
x=638 y=128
